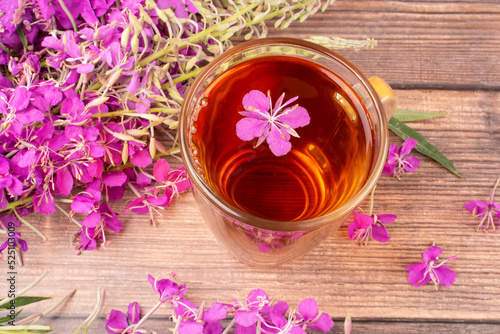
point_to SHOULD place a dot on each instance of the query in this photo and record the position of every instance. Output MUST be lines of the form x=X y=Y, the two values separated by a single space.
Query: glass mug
x=272 y=233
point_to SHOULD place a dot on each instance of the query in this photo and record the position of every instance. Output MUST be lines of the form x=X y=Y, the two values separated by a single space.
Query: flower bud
x=134 y=44
x=125 y=37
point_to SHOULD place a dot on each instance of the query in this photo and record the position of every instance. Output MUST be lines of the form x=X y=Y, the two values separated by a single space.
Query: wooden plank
x=421 y=44
x=386 y=326
x=367 y=282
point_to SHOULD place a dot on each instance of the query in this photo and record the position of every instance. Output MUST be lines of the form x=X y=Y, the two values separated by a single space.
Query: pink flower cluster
x=79 y=116
x=253 y=313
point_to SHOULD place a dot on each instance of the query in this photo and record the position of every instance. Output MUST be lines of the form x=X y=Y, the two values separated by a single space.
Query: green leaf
x=404 y=115
x=22 y=37
x=22 y=301
x=7 y=318
x=423 y=146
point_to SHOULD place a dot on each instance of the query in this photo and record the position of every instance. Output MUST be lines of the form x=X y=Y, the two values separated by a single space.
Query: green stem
x=196 y=37
x=35 y=282
x=371 y=201
x=121 y=112
x=17 y=203
x=13 y=329
x=38 y=316
x=183 y=77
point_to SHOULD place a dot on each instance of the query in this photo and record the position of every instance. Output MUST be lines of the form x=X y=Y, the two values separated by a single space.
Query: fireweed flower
x=194 y=320
x=396 y=163
x=167 y=289
x=485 y=210
x=274 y=124
x=422 y=272
x=118 y=322
x=366 y=227
x=312 y=318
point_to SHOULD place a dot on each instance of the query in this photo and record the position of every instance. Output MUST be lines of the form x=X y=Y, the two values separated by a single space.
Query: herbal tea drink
x=327 y=164
x=282 y=140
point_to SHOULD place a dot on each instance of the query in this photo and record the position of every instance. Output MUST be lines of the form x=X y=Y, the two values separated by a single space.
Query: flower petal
x=249 y=128
x=190 y=327
x=161 y=170
x=386 y=218
x=246 y=318
x=432 y=253
x=85 y=68
x=445 y=275
x=142 y=158
x=294 y=117
x=389 y=168
x=134 y=312
x=114 y=179
x=92 y=220
x=257 y=100
x=411 y=163
x=277 y=142
x=379 y=233
x=324 y=323
x=308 y=309
x=407 y=146
x=364 y=221
x=116 y=322
x=416 y=277
x=391 y=156
x=215 y=313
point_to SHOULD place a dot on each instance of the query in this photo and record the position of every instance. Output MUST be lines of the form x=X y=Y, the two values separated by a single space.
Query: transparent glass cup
x=260 y=242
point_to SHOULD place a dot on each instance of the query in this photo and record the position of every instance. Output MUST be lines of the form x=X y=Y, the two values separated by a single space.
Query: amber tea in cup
x=327 y=164
x=267 y=208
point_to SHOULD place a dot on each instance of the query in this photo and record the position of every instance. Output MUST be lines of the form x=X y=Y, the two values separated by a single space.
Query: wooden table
x=440 y=56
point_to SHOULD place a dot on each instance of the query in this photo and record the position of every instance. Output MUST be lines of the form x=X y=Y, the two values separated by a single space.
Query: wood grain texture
x=421 y=44
x=367 y=282
x=424 y=48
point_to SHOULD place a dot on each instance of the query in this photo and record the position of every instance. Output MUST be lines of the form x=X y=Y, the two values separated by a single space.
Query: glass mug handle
x=386 y=94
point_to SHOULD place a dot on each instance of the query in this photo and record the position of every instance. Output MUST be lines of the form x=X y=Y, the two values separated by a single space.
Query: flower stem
x=17 y=203
x=67 y=215
x=33 y=228
x=493 y=192
x=38 y=316
x=153 y=310
x=183 y=77
x=196 y=37
x=101 y=296
x=29 y=287
x=228 y=328
x=68 y=13
x=371 y=200
x=123 y=112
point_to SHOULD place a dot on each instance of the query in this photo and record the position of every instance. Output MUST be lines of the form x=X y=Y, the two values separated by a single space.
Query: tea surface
x=327 y=165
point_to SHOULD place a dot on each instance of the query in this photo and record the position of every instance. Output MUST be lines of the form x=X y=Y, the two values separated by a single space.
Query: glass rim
x=296 y=225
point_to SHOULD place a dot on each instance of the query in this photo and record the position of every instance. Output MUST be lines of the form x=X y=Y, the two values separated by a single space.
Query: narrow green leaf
x=423 y=146
x=22 y=301
x=7 y=318
x=404 y=115
x=22 y=37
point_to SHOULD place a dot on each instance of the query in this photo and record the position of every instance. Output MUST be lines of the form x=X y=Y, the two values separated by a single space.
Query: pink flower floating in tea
x=422 y=272
x=397 y=164
x=274 y=124
x=485 y=210
x=365 y=227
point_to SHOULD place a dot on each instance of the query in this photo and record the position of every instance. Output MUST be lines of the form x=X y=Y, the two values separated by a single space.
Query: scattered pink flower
x=396 y=163
x=364 y=227
x=118 y=322
x=422 y=272
x=167 y=289
x=275 y=125
x=485 y=210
